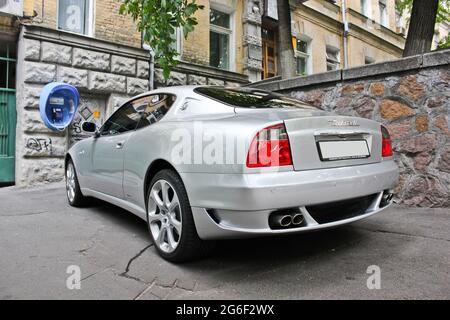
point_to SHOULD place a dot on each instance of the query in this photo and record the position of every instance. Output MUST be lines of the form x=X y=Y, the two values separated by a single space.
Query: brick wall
x=112 y=26
x=412 y=98
x=109 y=24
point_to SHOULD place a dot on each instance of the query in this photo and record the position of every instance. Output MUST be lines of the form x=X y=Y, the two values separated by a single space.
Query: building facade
x=87 y=43
x=241 y=35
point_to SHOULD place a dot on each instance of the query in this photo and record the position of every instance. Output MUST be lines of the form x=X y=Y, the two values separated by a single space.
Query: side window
x=123 y=120
x=153 y=108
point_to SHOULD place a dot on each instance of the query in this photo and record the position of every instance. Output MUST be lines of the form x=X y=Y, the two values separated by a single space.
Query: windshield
x=250 y=98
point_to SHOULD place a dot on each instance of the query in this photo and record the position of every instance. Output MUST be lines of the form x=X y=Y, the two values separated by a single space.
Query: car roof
x=189 y=89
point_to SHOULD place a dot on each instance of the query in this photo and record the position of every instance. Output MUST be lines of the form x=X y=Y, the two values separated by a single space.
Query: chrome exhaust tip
x=283 y=218
x=285 y=221
x=297 y=219
x=386 y=199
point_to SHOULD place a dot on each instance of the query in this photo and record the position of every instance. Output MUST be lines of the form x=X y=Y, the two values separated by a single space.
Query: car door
x=108 y=151
x=145 y=143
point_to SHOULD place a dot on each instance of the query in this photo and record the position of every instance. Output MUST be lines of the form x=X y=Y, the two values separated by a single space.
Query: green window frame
x=7 y=68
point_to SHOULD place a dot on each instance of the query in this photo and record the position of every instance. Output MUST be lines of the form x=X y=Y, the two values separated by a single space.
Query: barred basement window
x=76 y=16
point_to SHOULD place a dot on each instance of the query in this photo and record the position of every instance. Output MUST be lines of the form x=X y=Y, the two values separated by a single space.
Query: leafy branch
x=158 y=21
x=443 y=13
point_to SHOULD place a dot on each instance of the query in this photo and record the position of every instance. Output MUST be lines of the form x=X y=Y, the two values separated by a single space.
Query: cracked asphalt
x=41 y=235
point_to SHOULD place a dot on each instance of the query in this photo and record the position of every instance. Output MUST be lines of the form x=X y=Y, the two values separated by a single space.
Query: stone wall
x=412 y=98
x=106 y=74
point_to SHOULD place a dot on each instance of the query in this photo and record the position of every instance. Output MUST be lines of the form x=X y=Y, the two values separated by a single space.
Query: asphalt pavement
x=44 y=243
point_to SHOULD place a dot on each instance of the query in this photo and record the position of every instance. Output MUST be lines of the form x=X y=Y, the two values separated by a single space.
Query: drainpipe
x=345 y=33
x=151 y=71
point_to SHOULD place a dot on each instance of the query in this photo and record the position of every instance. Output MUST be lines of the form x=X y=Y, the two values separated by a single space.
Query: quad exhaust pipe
x=297 y=219
x=280 y=220
x=386 y=198
x=285 y=220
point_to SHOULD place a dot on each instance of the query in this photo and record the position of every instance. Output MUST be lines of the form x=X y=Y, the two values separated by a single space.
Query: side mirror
x=89 y=127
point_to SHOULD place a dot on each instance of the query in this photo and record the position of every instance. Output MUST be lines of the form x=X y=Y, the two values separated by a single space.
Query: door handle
x=119 y=145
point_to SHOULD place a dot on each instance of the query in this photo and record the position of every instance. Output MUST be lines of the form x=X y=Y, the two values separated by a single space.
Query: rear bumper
x=253 y=224
x=244 y=201
x=274 y=190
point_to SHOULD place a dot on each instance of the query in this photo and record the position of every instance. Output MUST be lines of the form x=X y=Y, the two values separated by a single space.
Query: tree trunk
x=285 y=49
x=421 y=27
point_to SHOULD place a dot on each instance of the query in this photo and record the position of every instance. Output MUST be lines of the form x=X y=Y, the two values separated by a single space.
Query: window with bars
x=8 y=66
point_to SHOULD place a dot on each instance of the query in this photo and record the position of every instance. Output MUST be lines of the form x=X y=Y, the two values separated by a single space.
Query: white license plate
x=340 y=150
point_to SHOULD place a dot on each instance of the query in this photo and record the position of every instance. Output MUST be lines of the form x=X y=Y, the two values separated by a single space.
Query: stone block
x=30 y=97
x=56 y=53
x=215 y=82
x=136 y=86
x=410 y=63
x=106 y=82
x=400 y=130
x=444 y=160
x=75 y=77
x=32 y=49
x=40 y=170
x=123 y=65
x=175 y=79
x=422 y=123
x=31 y=122
x=297 y=82
x=196 y=80
x=36 y=72
x=142 y=69
x=41 y=145
x=437 y=58
x=417 y=144
x=409 y=87
x=377 y=89
x=393 y=109
x=89 y=59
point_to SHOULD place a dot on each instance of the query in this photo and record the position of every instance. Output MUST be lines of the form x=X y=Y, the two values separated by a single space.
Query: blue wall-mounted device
x=58 y=105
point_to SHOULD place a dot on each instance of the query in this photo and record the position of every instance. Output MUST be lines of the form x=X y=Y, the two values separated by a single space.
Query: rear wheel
x=170 y=221
x=74 y=195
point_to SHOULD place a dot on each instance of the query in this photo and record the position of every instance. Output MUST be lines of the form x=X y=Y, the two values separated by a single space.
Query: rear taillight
x=386 y=146
x=270 y=147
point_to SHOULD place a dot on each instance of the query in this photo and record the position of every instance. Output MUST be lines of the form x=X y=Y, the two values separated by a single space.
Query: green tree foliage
x=158 y=21
x=443 y=14
x=444 y=43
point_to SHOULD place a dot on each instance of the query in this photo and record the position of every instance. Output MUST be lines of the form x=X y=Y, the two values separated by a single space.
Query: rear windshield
x=250 y=98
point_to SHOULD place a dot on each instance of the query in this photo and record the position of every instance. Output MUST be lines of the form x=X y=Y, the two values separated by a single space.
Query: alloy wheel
x=164 y=216
x=70 y=182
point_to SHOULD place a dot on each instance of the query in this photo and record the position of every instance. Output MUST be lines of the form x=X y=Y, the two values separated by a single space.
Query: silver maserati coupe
x=201 y=163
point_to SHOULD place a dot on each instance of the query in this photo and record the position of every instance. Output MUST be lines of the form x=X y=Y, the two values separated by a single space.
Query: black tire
x=78 y=200
x=190 y=246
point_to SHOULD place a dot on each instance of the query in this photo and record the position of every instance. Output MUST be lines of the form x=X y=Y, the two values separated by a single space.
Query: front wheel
x=170 y=221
